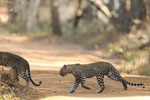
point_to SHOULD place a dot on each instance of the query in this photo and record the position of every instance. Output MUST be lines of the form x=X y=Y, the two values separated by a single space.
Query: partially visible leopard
x=98 y=69
x=19 y=65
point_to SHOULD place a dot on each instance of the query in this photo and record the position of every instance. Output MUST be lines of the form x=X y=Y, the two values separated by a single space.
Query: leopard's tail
x=135 y=84
x=40 y=82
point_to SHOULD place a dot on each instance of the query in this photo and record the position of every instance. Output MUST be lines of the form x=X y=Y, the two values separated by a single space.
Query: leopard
x=19 y=65
x=96 y=69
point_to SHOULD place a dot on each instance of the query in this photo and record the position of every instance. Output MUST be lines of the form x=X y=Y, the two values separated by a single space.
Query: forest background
x=119 y=27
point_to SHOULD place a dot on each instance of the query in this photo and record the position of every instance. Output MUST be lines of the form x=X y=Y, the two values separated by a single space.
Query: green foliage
x=110 y=50
x=128 y=54
x=121 y=51
x=116 y=50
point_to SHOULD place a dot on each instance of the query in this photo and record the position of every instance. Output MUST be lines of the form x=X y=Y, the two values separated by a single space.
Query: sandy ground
x=111 y=98
x=46 y=58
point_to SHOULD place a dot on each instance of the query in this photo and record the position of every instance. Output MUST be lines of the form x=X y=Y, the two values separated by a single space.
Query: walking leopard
x=19 y=65
x=98 y=69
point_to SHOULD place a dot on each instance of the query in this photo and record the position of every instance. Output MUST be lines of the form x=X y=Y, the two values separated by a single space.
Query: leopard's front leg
x=76 y=83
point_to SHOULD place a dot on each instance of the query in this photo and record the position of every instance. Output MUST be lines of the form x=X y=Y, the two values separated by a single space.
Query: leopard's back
x=93 y=69
x=11 y=60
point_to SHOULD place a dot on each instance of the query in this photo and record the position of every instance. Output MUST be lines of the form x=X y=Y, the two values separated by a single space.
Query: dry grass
x=144 y=70
x=6 y=87
x=139 y=66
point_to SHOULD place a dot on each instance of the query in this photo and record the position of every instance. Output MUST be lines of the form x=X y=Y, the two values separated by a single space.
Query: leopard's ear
x=65 y=66
x=77 y=64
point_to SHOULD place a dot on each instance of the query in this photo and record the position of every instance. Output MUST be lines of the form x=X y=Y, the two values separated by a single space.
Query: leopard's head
x=66 y=69
x=63 y=71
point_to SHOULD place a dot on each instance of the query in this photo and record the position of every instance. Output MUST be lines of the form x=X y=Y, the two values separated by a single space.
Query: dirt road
x=46 y=58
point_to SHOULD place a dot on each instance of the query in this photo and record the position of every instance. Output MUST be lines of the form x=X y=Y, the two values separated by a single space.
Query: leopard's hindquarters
x=114 y=75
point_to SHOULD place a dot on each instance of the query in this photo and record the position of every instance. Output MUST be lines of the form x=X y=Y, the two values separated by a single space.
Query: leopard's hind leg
x=114 y=75
x=15 y=75
x=100 y=80
x=25 y=77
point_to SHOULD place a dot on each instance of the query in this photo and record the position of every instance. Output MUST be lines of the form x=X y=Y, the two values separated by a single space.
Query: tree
x=147 y=6
x=31 y=14
x=55 y=18
x=20 y=11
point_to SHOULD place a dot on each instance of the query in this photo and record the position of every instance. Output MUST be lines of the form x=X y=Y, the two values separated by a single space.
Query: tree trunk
x=32 y=12
x=20 y=11
x=123 y=20
x=138 y=10
x=78 y=14
x=147 y=6
x=55 y=18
